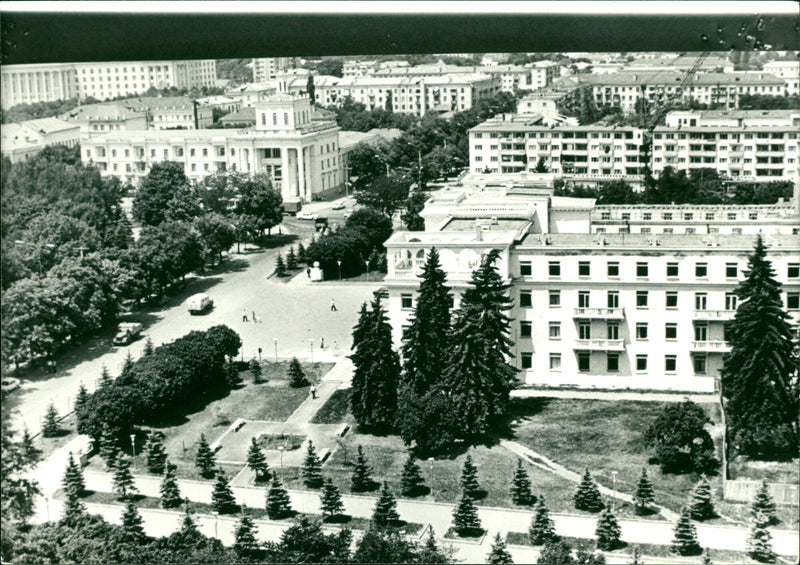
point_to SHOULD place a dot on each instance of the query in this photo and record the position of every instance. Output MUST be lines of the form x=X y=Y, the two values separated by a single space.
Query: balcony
x=715 y=346
x=599 y=314
x=714 y=315
x=599 y=345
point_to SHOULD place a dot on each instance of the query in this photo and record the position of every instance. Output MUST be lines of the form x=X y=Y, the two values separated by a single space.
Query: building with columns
x=289 y=143
x=598 y=301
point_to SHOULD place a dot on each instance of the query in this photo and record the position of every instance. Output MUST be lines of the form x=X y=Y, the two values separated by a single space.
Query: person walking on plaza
x=313 y=392
x=333 y=305
x=322 y=343
x=244 y=314
x=308 y=272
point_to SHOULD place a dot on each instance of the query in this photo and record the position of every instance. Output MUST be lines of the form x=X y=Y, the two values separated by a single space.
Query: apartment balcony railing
x=599 y=313
x=714 y=346
x=599 y=344
x=713 y=315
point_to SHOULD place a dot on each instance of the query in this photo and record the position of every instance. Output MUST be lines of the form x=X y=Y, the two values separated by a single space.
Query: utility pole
x=419 y=169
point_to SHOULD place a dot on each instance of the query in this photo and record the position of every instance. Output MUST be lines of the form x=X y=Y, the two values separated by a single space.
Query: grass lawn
x=336 y=409
x=277 y=371
x=625 y=554
x=605 y=436
x=48 y=445
x=273 y=441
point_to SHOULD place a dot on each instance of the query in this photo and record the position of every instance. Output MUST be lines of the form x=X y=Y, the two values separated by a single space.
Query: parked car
x=199 y=303
x=127 y=332
x=306 y=216
x=9 y=384
x=338 y=206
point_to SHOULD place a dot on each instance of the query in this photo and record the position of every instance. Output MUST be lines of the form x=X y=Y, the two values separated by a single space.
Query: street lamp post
x=339 y=262
x=366 y=266
x=133 y=449
x=430 y=467
x=311 y=348
x=275 y=342
x=280 y=449
x=614 y=485
x=215 y=513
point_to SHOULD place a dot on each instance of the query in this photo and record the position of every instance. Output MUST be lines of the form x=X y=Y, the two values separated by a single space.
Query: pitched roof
x=48 y=125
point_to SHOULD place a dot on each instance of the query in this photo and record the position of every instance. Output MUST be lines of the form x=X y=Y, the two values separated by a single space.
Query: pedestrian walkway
x=542 y=462
x=306 y=411
x=589 y=394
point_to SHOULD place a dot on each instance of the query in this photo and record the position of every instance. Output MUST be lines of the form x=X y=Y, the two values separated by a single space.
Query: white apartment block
x=605 y=310
x=24 y=140
x=172 y=112
x=359 y=68
x=417 y=96
x=755 y=146
x=113 y=116
x=789 y=71
x=265 y=68
x=542 y=74
x=511 y=76
x=299 y=153
x=26 y=84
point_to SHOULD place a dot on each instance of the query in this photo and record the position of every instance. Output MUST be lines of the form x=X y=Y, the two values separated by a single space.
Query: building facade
x=596 y=309
x=26 y=84
x=24 y=140
x=264 y=68
x=789 y=71
x=298 y=153
x=113 y=116
x=172 y=112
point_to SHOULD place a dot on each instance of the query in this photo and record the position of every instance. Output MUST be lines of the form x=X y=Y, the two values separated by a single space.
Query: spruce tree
x=644 y=495
x=701 y=506
x=132 y=523
x=373 y=397
x=109 y=451
x=685 y=540
x=148 y=347
x=280 y=266
x=205 y=460
x=50 y=427
x=124 y=484
x=477 y=378
x=469 y=478
x=425 y=340
x=759 y=544
x=105 y=376
x=291 y=260
x=361 y=480
x=30 y=453
x=608 y=531
x=254 y=367
x=521 y=486
x=189 y=529
x=763 y=503
x=542 y=529
x=465 y=517
x=279 y=505
x=170 y=492
x=127 y=365
x=706 y=557
x=297 y=378
x=245 y=544
x=758 y=374
x=312 y=468
x=499 y=553
x=330 y=501
x=257 y=461
x=74 y=509
x=301 y=253
x=222 y=499
x=587 y=497
x=411 y=481
x=81 y=400
x=637 y=558
x=156 y=454
x=73 y=478
x=385 y=513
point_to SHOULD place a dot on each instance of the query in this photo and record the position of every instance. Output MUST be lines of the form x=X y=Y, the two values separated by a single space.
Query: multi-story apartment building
x=25 y=139
x=112 y=116
x=510 y=76
x=359 y=68
x=751 y=146
x=223 y=103
x=251 y=94
x=172 y=112
x=590 y=309
x=417 y=96
x=265 y=68
x=789 y=71
x=26 y=84
x=297 y=151
x=543 y=73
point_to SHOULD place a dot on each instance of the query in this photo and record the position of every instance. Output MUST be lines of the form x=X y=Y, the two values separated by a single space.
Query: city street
x=297 y=314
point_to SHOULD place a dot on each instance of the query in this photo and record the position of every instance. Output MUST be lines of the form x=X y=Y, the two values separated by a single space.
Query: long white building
x=26 y=84
x=619 y=308
x=289 y=143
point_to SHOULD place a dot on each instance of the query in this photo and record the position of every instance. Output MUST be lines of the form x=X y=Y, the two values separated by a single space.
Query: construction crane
x=660 y=110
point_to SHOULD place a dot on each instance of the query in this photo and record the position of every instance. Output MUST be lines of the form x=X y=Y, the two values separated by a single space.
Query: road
x=296 y=314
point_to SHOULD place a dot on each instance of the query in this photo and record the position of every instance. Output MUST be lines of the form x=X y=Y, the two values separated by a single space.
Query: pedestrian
x=313 y=392
x=244 y=315
x=335 y=346
x=308 y=272
x=322 y=343
x=333 y=305
x=255 y=320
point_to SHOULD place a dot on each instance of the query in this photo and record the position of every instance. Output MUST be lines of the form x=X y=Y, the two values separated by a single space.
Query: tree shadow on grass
x=60 y=432
x=273 y=241
x=422 y=490
x=518 y=409
x=337 y=519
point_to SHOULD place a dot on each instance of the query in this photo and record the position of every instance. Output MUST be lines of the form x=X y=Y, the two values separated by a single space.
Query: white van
x=199 y=303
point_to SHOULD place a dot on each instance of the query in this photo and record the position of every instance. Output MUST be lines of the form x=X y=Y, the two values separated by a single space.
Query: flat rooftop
x=499 y=225
x=587 y=243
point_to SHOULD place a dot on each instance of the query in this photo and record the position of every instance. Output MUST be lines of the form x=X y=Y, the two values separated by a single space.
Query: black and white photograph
x=400 y=282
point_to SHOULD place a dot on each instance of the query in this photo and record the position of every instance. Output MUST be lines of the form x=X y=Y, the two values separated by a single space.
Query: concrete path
x=306 y=411
x=616 y=395
x=439 y=515
x=543 y=462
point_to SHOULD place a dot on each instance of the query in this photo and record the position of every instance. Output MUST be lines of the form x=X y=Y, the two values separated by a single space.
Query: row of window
x=687 y=216
x=612 y=362
x=612 y=331
x=643 y=269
